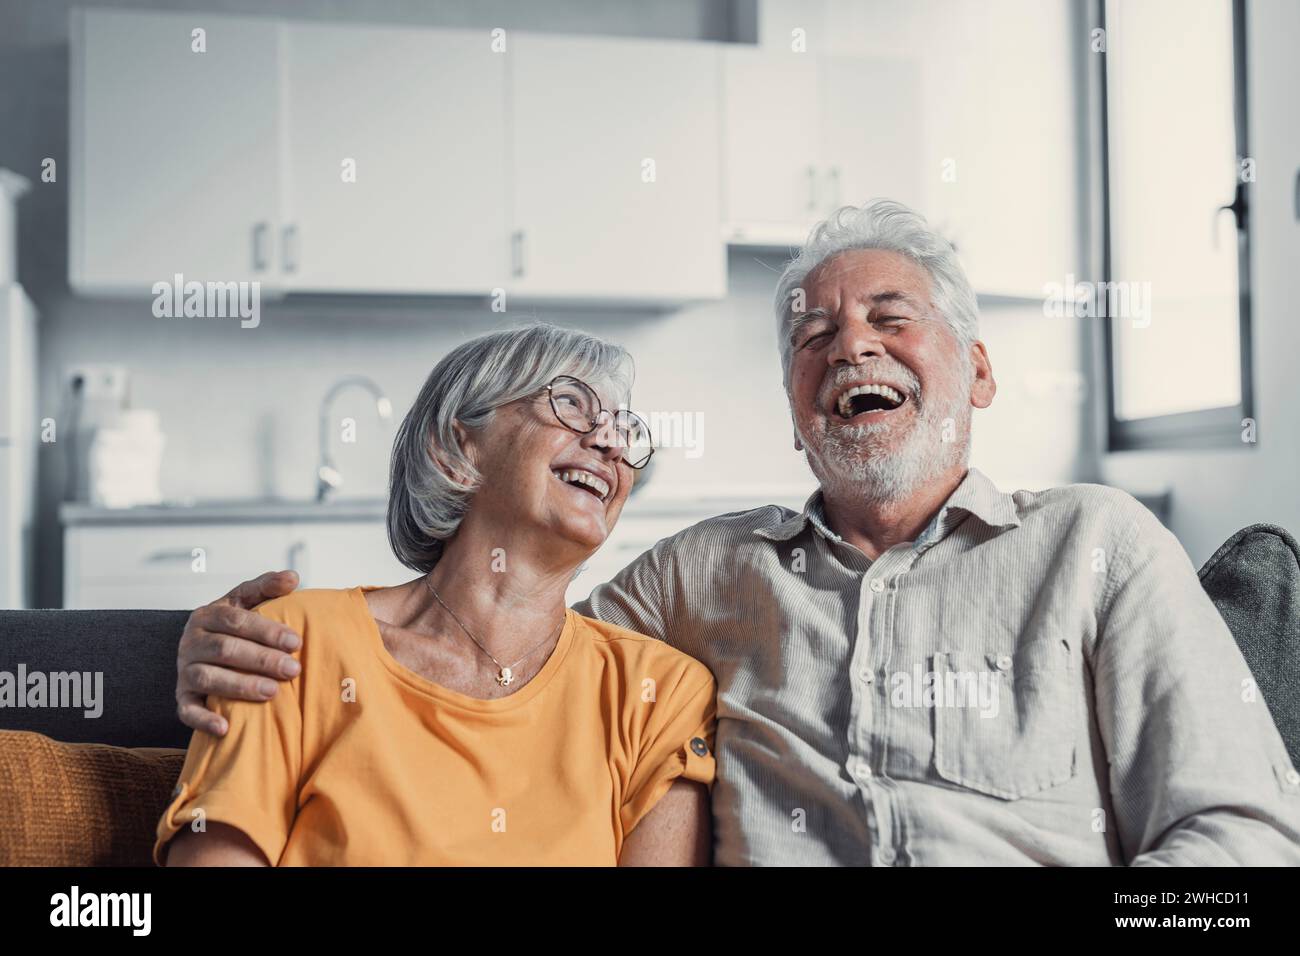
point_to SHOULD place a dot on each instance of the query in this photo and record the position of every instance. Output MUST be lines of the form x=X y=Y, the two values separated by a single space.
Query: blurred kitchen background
x=639 y=170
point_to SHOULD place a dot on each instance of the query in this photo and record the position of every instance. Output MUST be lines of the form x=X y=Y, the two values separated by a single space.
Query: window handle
x=1238 y=209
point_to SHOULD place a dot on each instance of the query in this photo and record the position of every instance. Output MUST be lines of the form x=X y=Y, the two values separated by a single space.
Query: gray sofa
x=135 y=651
x=1254 y=580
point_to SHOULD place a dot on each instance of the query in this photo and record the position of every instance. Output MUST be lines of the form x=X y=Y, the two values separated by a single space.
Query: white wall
x=1217 y=492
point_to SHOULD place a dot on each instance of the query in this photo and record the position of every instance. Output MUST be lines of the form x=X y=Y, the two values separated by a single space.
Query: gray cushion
x=1254 y=581
x=135 y=651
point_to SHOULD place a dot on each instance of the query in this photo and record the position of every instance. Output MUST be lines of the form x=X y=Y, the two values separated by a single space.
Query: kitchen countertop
x=695 y=502
x=235 y=511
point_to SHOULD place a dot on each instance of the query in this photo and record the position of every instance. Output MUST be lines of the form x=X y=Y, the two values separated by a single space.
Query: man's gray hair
x=881 y=224
x=425 y=502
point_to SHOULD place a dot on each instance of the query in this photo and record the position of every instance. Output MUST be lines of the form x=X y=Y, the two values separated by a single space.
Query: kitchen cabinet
x=773 y=162
x=174 y=153
x=398 y=152
x=326 y=159
x=166 y=565
x=616 y=169
x=999 y=154
x=124 y=563
x=871 y=129
x=806 y=134
x=343 y=554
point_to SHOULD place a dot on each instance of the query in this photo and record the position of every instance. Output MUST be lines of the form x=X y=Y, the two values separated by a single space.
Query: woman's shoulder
x=632 y=651
x=313 y=608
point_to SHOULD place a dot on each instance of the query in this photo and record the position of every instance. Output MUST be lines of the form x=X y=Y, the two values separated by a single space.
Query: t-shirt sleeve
x=677 y=742
x=247 y=779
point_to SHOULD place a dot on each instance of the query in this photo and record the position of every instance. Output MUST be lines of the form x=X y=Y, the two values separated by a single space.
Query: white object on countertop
x=12 y=186
x=124 y=462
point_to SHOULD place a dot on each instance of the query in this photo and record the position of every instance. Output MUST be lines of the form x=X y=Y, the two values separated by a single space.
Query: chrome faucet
x=328 y=478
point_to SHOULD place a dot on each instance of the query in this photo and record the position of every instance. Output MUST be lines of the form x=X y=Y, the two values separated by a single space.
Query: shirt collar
x=976 y=495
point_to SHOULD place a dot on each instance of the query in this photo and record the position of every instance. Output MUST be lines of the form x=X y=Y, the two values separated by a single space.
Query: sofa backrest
x=133 y=651
x=1254 y=581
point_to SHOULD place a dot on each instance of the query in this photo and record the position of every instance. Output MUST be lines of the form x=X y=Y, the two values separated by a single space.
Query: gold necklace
x=505 y=675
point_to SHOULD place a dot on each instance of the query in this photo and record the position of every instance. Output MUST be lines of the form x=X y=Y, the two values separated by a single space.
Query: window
x=1175 y=185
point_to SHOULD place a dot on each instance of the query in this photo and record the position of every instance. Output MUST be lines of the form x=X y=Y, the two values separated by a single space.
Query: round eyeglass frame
x=595 y=422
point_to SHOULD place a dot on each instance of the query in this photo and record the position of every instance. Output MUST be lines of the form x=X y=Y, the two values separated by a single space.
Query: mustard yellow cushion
x=81 y=804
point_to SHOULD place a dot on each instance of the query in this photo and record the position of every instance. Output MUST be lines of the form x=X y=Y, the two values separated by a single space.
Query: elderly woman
x=467 y=717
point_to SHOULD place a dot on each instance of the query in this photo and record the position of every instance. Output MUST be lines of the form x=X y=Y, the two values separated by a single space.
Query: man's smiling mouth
x=867 y=400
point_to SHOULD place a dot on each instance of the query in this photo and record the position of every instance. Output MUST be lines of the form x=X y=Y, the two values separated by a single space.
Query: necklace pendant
x=506 y=677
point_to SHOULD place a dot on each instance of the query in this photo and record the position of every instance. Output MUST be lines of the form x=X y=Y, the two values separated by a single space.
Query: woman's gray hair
x=882 y=224
x=425 y=503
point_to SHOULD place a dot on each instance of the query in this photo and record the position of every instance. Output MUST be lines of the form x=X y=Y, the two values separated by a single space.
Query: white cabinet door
x=775 y=181
x=166 y=565
x=398 y=159
x=807 y=134
x=616 y=169
x=174 y=152
x=871 y=130
x=344 y=554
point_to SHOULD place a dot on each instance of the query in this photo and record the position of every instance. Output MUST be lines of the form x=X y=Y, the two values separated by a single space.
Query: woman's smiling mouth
x=585 y=481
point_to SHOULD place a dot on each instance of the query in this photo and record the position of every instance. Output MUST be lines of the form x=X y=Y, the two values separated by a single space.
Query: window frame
x=1208 y=427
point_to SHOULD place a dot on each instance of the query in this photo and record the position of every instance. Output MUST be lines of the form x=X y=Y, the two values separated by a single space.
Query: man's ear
x=794 y=428
x=983 y=386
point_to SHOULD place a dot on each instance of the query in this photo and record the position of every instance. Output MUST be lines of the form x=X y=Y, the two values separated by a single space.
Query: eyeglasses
x=578 y=408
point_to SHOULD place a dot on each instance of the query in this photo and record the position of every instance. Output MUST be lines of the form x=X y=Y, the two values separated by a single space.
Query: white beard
x=855 y=461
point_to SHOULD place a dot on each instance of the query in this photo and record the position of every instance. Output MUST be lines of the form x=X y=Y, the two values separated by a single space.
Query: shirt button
x=887 y=856
x=864 y=771
x=1004 y=663
x=699 y=746
x=1292 y=777
x=867 y=676
x=877 y=585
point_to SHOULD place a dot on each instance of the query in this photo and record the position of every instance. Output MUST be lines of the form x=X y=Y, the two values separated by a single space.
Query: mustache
x=857 y=374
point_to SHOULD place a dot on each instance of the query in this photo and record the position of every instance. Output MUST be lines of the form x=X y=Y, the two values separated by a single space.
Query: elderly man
x=919 y=669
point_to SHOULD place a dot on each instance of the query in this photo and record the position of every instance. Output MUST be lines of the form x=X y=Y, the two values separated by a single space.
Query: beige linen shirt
x=1038 y=679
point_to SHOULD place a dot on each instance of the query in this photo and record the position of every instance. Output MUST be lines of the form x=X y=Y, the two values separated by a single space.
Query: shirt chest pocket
x=1018 y=737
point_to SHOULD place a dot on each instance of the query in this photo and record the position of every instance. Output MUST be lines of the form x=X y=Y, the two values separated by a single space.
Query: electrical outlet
x=99 y=383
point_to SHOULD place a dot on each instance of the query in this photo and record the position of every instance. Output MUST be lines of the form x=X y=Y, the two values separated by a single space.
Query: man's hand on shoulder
x=229 y=650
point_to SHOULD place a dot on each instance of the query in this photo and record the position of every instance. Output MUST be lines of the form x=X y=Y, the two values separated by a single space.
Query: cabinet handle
x=289 y=247
x=296 y=550
x=261 y=231
x=835 y=186
x=176 y=554
x=517 y=253
x=812 y=188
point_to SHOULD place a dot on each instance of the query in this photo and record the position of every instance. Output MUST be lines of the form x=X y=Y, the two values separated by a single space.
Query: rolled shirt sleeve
x=1198 y=771
x=247 y=779
x=677 y=742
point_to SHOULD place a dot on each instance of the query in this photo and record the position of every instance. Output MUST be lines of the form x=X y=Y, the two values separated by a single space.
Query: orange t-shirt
x=359 y=761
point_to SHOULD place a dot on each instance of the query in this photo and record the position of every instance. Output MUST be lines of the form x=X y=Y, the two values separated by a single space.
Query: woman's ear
x=468 y=449
x=463 y=438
